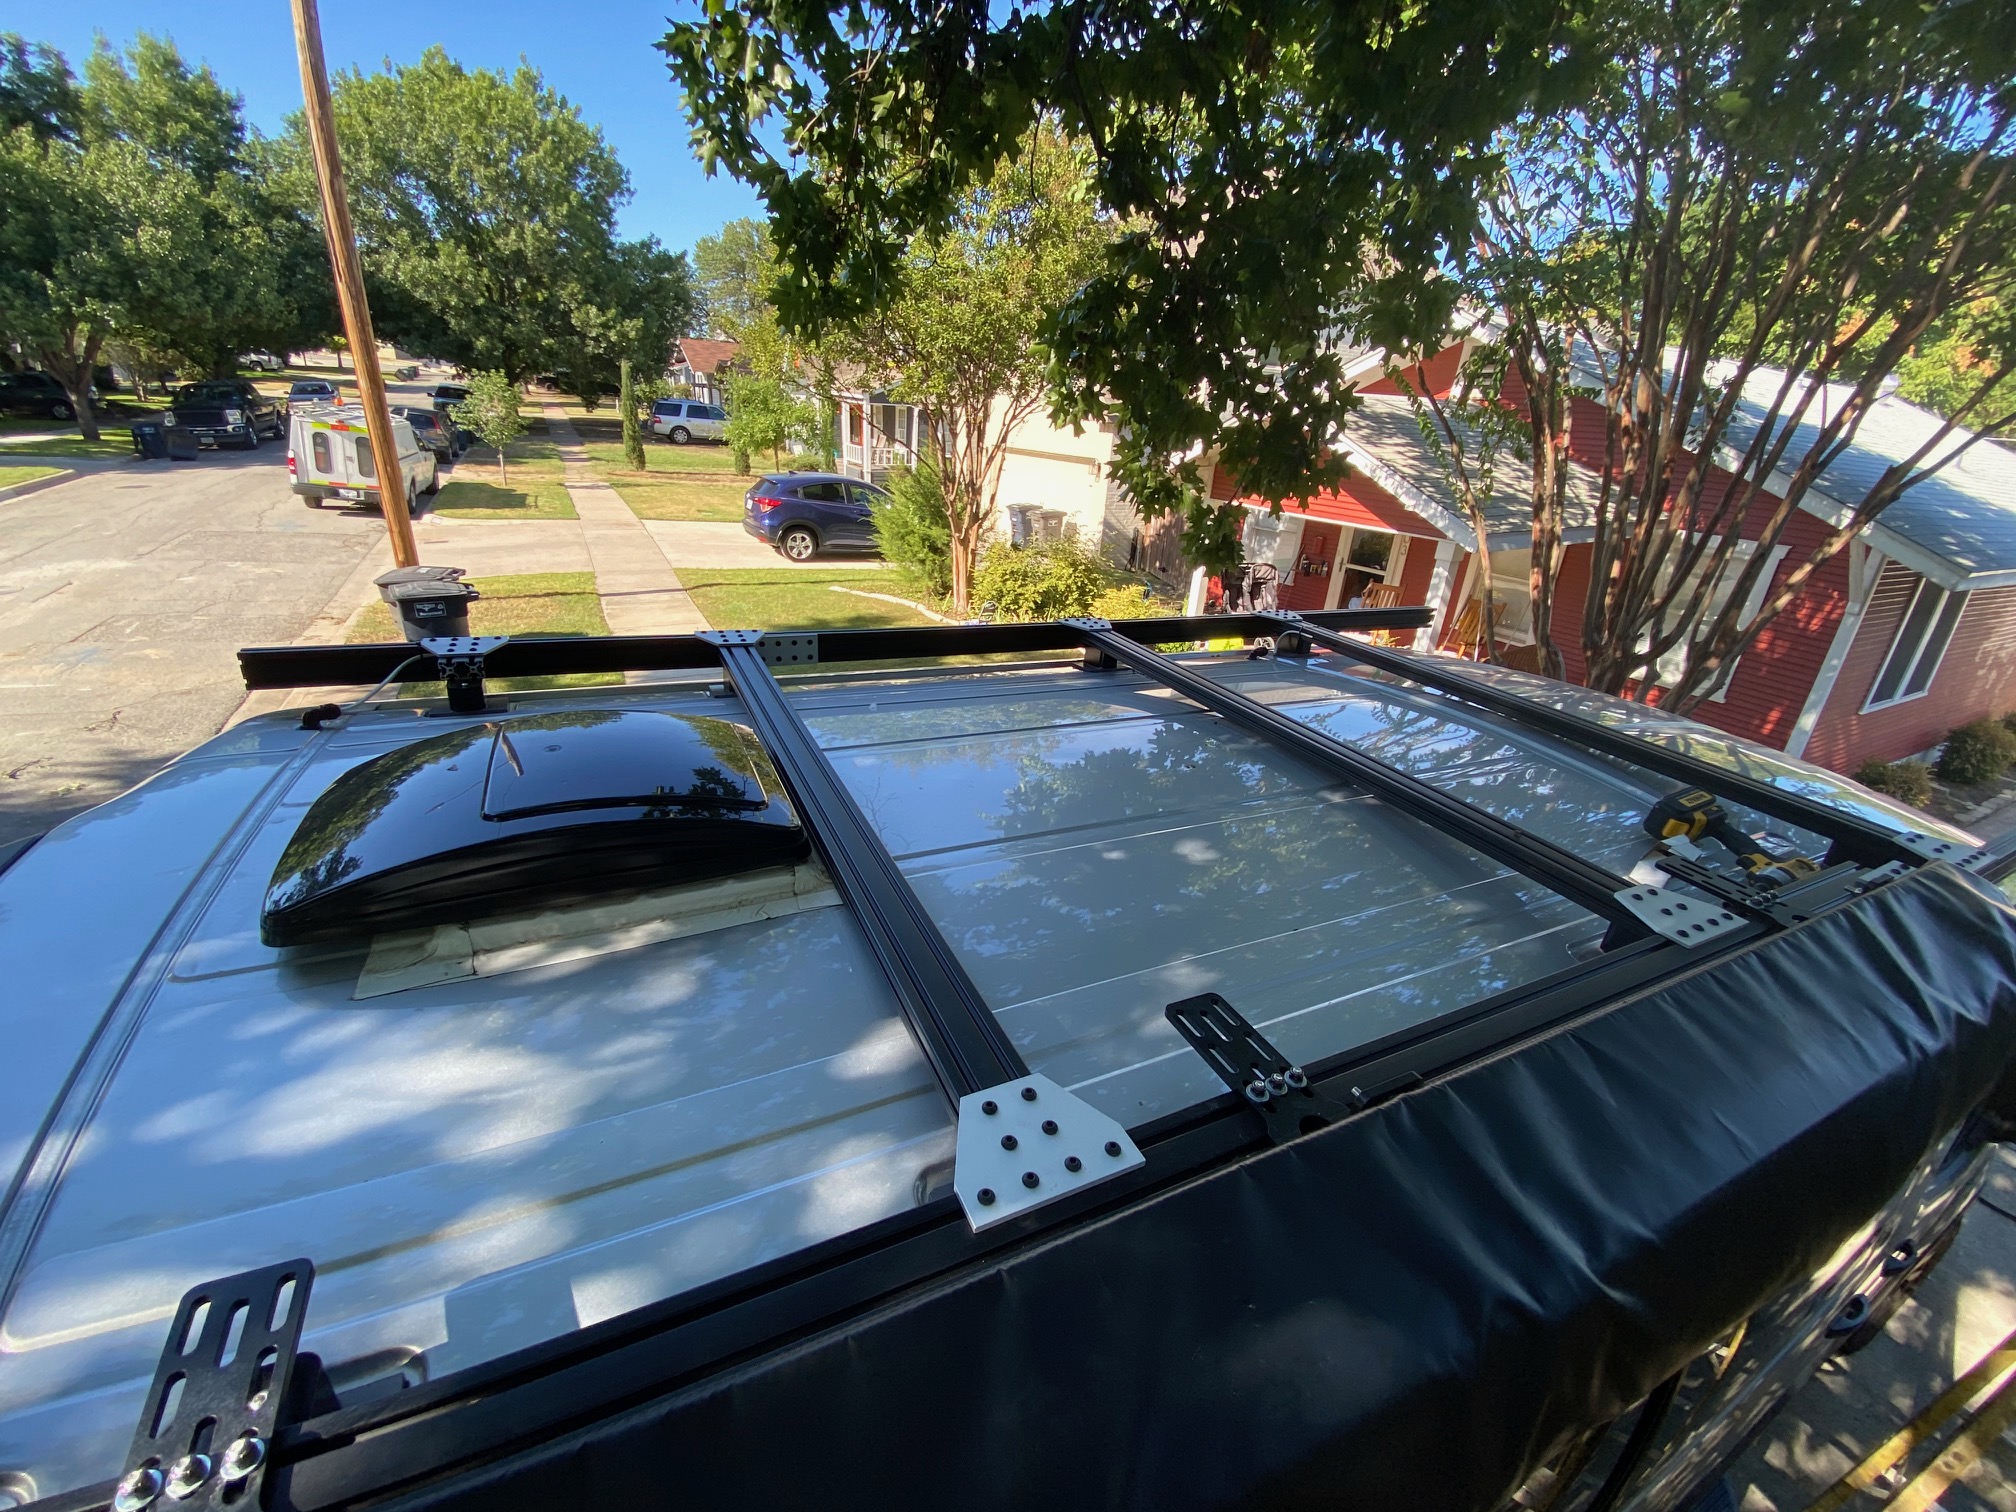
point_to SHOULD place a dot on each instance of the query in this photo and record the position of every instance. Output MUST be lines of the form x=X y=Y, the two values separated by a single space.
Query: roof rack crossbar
x=1853 y=838
x=548 y=656
x=967 y=1049
x=1594 y=887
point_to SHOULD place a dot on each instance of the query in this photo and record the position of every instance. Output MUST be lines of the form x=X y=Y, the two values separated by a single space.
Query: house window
x=1673 y=665
x=854 y=431
x=1921 y=642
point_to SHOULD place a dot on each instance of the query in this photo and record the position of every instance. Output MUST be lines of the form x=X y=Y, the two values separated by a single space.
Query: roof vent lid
x=527 y=812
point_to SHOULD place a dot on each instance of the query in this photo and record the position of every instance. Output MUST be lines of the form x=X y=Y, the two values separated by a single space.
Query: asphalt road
x=124 y=597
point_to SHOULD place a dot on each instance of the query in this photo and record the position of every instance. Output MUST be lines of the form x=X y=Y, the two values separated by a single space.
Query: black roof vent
x=518 y=813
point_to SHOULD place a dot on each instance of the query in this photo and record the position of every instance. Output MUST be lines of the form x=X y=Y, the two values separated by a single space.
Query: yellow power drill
x=1694 y=815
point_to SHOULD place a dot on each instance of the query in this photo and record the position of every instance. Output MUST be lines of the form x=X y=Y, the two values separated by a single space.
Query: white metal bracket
x=1028 y=1142
x=1933 y=848
x=777 y=650
x=1686 y=921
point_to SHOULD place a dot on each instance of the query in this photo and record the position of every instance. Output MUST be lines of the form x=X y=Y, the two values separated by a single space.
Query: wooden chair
x=1385 y=596
x=1467 y=635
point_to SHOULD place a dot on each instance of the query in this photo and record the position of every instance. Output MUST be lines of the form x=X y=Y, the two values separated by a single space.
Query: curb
x=36 y=485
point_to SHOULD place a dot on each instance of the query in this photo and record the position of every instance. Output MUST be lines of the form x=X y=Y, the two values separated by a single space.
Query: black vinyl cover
x=1410 y=1309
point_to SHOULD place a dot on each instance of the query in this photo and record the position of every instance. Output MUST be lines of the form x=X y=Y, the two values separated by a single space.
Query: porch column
x=1439 y=584
x=1865 y=565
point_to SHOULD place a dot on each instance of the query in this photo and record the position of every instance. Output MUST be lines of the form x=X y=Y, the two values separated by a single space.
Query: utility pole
x=350 y=283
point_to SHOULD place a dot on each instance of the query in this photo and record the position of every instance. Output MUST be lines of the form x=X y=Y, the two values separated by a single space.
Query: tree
x=633 y=440
x=485 y=207
x=961 y=332
x=37 y=90
x=764 y=415
x=1283 y=169
x=1734 y=244
x=491 y=414
x=734 y=270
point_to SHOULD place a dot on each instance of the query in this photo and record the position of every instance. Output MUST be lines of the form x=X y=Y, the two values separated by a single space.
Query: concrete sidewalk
x=641 y=594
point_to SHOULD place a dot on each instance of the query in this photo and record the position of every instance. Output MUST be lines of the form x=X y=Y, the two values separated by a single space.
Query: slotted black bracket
x=1247 y=1062
x=206 y=1428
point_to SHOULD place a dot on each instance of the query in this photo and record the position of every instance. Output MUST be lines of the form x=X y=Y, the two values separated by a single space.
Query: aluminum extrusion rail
x=1853 y=838
x=957 y=1031
x=1594 y=887
x=545 y=656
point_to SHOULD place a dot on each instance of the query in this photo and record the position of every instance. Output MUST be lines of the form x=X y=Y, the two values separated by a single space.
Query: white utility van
x=329 y=455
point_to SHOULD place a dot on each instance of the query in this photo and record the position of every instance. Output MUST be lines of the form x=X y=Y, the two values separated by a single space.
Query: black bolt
x=1008 y=1141
x=986 y=1195
x=1030 y=1179
x=1028 y=1094
x=1073 y=1163
x=1112 y=1147
x=1049 y=1126
x=990 y=1107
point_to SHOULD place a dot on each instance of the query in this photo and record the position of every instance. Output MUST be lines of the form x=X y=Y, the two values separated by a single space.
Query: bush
x=913 y=530
x=1133 y=601
x=1049 y=581
x=1908 y=781
x=1977 y=752
x=2009 y=722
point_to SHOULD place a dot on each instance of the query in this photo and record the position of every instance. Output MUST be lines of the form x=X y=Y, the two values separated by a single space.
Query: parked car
x=446 y=396
x=682 y=420
x=226 y=411
x=329 y=456
x=261 y=362
x=434 y=430
x=37 y=393
x=803 y=514
x=1246 y=1088
x=312 y=391
x=405 y=374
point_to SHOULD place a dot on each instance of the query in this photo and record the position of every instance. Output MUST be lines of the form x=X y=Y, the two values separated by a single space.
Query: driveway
x=709 y=543
x=124 y=597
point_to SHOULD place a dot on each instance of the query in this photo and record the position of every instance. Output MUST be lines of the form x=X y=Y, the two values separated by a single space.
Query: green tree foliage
x=633 y=437
x=961 y=332
x=1747 y=186
x=1946 y=368
x=765 y=416
x=486 y=209
x=491 y=413
x=913 y=528
x=37 y=90
x=1051 y=581
x=734 y=270
x=1283 y=168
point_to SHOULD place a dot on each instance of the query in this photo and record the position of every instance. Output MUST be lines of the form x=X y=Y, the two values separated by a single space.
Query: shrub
x=1908 y=781
x=913 y=529
x=1049 y=581
x=1133 y=601
x=1977 y=752
x=2009 y=722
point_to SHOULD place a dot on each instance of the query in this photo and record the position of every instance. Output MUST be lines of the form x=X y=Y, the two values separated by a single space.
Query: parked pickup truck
x=226 y=411
x=994 y=1067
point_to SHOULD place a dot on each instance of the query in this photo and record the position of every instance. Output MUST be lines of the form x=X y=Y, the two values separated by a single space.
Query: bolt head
x=1009 y=1141
x=246 y=1453
x=986 y=1196
x=1113 y=1147
x=1028 y=1094
x=1049 y=1126
x=187 y=1474
x=1031 y=1179
x=1073 y=1163
x=990 y=1107
x=138 y=1489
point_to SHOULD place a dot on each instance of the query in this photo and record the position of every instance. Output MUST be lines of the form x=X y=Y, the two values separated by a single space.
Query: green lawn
x=10 y=476
x=114 y=441
x=538 y=603
x=652 y=497
x=700 y=457
x=535 y=453
x=764 y=598
x=535 y=498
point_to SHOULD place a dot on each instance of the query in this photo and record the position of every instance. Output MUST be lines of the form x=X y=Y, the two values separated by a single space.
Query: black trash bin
x=182 y=444
x=430 y=601
x=150 y=441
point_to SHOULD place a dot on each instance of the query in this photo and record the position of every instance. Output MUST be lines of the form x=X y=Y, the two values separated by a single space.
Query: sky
x=600 y=57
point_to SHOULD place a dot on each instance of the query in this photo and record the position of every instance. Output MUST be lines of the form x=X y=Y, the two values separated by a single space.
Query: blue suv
x=802 y=514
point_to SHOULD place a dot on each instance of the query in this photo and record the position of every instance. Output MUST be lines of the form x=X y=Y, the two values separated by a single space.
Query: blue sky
x=599 y=56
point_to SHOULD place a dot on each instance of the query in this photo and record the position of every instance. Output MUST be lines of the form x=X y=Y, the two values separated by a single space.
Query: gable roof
x=1956 y=527
x=705 y=355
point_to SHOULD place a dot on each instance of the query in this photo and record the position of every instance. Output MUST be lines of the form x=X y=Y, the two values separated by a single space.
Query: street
x=124 y=597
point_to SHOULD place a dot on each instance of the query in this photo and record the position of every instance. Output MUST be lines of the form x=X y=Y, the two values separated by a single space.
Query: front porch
x=872 y=435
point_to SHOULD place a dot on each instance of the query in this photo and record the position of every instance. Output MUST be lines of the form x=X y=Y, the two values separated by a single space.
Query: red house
x=1908 y=632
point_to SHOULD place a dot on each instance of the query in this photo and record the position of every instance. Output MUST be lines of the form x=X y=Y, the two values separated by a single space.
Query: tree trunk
x=74 y=373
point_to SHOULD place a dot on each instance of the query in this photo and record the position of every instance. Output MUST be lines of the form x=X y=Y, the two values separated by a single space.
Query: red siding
x=1441 y=372
x=1417 y=570
x=1360 y=501
x=1976 y=680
